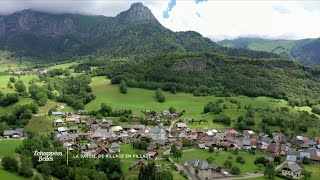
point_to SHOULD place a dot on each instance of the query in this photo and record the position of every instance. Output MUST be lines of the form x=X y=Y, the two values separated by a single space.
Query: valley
x=96 y=97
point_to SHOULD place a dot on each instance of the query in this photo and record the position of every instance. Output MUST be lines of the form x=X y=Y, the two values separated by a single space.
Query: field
x=40 y=124
x=141 y=99
x=9 y=176
x=7 y=147
x=5 y=79
x=314 y=169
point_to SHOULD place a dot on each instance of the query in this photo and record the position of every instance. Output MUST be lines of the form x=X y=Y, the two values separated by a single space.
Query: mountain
x=305 y=51
x=135 y=32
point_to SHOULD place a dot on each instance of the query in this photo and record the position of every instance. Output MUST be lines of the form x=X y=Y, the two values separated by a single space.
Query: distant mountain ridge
x=305 y=51
x=135 y=31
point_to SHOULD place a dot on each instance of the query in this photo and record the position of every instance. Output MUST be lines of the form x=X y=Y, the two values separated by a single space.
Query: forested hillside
x=222 y=75
x=133 y=32
x=305 y=51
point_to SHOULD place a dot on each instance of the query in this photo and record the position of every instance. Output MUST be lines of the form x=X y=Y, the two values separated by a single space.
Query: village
x=101 y=137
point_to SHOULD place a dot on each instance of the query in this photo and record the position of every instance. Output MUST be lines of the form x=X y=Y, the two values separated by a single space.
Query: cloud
x=216 y=19
x=232 y=19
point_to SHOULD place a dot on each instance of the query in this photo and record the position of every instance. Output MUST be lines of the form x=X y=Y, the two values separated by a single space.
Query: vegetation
x=220 y=75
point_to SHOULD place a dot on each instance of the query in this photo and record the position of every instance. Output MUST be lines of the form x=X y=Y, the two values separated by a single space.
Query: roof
x=114 y=145
x=61 y=129
x=58 y=120
x=142 y=161
x=57 y=113
x=182 y=125
x=291 y=158
x=10 y=132
x=92 y=145
x=293 y=167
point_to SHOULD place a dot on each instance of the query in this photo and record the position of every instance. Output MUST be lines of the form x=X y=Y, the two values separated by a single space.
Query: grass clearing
x=8 y=146
x=5 y=175
x=40 y=124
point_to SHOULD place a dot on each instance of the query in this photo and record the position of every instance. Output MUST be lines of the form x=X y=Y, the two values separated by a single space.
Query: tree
x=12 y=79
x=211 y=149
x=10 y=164
x=227 y=164
x=240 y=159
x=270 y=171
x=44 y=168
x=172 y=110
x=159 y=96
x=123 y=87
x=164 y=175
x=20 y=87
x=235 y=170
x=173 y=149
x=177 y=154
x=25 y=167
x=148 y=172
x=109 y=166
x=105 y=110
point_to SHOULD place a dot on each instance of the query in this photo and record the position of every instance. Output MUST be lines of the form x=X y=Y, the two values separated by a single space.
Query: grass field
x=5 y=175
x=40 y=124
x=141 y=99
x=314 y=169
x=8 y=147
x=4 y=79
x=222 y=156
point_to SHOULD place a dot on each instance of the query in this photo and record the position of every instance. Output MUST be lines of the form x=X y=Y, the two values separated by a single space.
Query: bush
x=10 y=164
x=235 y=171
x=240 y=159
x=159 y=96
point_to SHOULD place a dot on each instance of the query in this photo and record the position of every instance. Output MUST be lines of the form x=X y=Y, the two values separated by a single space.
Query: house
x=292 y=170
x=248 y=133
x=151 y=155
x=63 y=129
x=82 y=112
x=57 y=122
x=157 y=133
x=101 y=151
x=291 y=158
x=57 y=113
x=273 y=148
x=202 y=169
x=73 y=129
x=139 y=164
x=18 y=133
x=114 y=148
x=182 y=125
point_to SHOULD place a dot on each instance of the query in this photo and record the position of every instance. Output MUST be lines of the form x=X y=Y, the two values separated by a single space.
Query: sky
x=216 y=19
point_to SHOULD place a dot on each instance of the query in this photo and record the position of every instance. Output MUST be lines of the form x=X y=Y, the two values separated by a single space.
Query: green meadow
x=141 y=99
x=5 y=175
x=8 y=146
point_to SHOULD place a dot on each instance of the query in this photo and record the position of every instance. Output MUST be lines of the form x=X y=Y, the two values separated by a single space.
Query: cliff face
x=79 y=25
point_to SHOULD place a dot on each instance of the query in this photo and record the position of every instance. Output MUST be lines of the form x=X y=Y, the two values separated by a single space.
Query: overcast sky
x=216 y=19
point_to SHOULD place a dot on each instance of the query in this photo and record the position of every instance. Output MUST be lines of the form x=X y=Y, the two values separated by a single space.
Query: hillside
x=133 y=32
x=305 y=51
x=220 y=75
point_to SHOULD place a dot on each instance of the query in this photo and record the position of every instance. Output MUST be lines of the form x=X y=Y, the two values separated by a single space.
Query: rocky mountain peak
x=135 y=14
